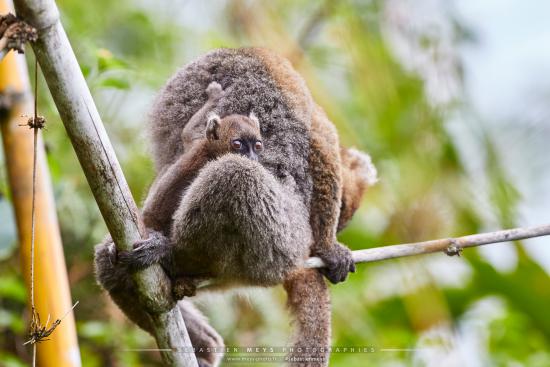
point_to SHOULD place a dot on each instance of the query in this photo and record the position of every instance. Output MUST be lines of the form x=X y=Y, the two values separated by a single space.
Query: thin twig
x=35 y=130
x=37 y=332
x=450 y=246
x=34 y=159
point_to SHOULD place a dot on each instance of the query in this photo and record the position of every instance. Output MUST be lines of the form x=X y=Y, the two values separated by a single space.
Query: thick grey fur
x=248 y=87
x=240 y=221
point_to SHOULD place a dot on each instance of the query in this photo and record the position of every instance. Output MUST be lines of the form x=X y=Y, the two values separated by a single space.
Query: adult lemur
x=241 y=221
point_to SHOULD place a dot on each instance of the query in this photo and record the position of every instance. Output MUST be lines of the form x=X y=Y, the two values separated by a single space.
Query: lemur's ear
x=212 y=125
x=253 y=117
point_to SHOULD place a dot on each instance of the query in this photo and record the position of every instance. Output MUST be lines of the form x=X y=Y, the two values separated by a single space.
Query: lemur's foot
x=214 y=90
x=338 y=263
x=108 y=270
x=106 y=251
x=146 y=252
x=184 y=287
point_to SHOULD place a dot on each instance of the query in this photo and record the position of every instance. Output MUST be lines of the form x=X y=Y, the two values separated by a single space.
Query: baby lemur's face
x=238 y=134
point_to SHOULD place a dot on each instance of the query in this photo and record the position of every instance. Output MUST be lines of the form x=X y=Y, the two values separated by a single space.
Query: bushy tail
x=358 y=173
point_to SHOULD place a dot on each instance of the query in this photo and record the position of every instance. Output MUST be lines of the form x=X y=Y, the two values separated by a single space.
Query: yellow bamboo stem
x=52 y=293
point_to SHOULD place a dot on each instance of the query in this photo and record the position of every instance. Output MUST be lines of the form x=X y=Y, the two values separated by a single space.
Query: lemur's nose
x=251 y=155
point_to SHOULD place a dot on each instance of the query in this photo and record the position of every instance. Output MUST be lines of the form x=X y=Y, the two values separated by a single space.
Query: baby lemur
x=238 y=220
x=232 y=134
x=206 y=137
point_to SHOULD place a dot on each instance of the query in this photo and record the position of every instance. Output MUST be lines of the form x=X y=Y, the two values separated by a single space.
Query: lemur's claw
x=145 y=252
x=338 y=263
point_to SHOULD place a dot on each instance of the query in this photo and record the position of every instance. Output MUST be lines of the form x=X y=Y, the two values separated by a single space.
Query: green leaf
x=115 y=82
x=12 y=321
x=9 y=360
x=12 y=287
x=106 y=61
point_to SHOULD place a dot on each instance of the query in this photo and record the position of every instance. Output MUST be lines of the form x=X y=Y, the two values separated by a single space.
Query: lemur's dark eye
x=258 y=146
x=236 y=144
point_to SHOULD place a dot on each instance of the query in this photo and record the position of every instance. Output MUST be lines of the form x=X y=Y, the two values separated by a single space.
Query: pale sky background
x=507 y=81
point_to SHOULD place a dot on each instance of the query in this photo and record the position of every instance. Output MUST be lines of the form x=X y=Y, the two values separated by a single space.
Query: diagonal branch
x=100 y=165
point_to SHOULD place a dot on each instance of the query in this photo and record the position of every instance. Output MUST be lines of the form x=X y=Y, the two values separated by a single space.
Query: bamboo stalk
x=97 y=158
x=52 y=293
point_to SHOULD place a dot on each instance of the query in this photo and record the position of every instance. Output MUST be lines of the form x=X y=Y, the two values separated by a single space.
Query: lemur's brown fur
x=237 y=220
x=310 y=317
x=205 y=141
x=358 y=173
x=195 y=128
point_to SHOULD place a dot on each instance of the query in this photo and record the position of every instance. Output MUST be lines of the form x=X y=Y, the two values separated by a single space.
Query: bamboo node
x=454 y=248
x=38 y=122
x=15 y=33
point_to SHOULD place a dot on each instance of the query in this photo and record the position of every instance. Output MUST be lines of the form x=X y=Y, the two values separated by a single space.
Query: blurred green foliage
x=451 y=310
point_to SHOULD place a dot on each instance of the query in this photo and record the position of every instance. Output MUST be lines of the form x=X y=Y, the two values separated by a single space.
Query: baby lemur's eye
x=258 y=146
x=236 y=144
